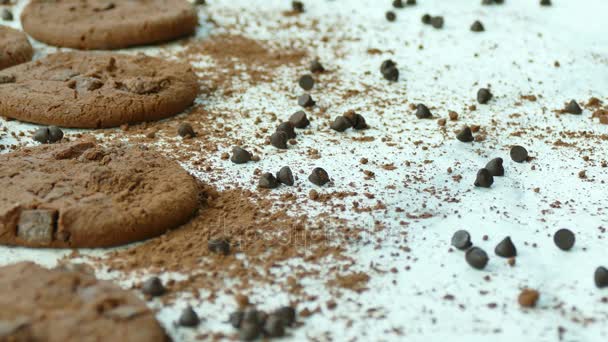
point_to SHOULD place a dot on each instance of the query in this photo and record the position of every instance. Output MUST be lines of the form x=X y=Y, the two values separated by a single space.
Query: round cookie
x=94 y=90
x=108 y=24
x=14 y=47
x=82 y=194
x=66 y=304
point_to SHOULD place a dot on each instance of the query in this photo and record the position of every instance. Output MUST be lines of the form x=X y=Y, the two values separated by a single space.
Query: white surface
x=516 y=56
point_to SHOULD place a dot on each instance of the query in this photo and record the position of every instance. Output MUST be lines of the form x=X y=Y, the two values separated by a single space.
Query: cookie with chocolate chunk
x=108 y=24
x=93 y=90
x=82 y=194
x=68 y=304
x=14 y=47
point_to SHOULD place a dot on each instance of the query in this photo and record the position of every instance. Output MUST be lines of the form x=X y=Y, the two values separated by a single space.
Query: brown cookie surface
x=82 y=194
x=14 y=47
x=108 y=24
x=67 y=304
x=93 y=90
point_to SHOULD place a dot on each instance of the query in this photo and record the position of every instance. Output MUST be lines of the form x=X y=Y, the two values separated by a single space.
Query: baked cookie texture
x=14 y=47
x=82 y=194
x=108 y=24
x=66 y=304
x=95 y=90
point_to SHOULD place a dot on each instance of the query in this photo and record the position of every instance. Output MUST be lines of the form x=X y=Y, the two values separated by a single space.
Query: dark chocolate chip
x=185 y=130
x=564 y=239
x=426 y=19
x=55 y=134
x=476 y=258
x=316 y=66
x=495 y=167
x=285 y=176
x=279 y=139
x=601 y=277
x=499 y=2
x=287 y=314
x=461 y=240
x=219 y=246
x=484 y=95
x=274 y=326
x=306 y=101
x=318 y=176
x=200 y=2
x=249 y=331
x=390 y=16
x=423 y=112
x=357 y=121
x=188 y=318
x=477 y=26
x=7 y=15
x=465 y=135
x=545 y=2
x=240 y=156
x=236 y=318
x=506 y=248
x=299 y=119
x=268 y=181
x=391 y=74
x=340 y=124
x=306 y=82
x=411 y=2
x=41 y=135
x=252 y=315
x=573 y=108
x=153 y=287
x=437 y=22
x=386 y=65
x=519 y=154
x=288 y=128
x=398 y=4
x=297 y=6
x=484 y=179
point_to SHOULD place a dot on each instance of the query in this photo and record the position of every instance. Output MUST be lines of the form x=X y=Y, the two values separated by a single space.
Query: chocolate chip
x=484 y=179
x=252 y=315
x=268 y=181
x=506 y=248
x=545 y=2
x=528 y=298
x=287 y=314
x=391 y=74
x=601 y=277
x=7 y=79
x=398 y=4
x=564 y=239
x=573 y=108
x=288 y=128
x=299 y=119
x=306 y=82
x=316 y=66
x=240 y=156
x=55 y=134
x=153 y=287
x=340 y=124
x=476 y=258
x=495 y=167
x=386 y=65
x=185 y=130
x=285 y=176
x=465 y=134
x=423 y=112
x=519 y=154
x=484 y=95
x=236 y=318
x=477 y=26
x=200 y=2
x=437 y=22
x=461 y=240
x=249 y=331
x=46 y=135
x=411 y=2
x=306 y=101
x=357 y=121
x=426 y=19
x=297 y=6
x=318 y=176
x=274 y=326
x=188 y=318
x=7 y=15
x=390 y=16
x=279 y=139
x=219 y=246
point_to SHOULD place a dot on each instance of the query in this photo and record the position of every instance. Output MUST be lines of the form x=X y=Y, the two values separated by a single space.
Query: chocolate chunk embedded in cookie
x=91 y=90
x=14 y=49
x=108 y=24
x=82 y=194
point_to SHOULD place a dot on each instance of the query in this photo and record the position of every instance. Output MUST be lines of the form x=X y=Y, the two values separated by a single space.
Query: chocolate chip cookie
x=108 y=24
x=82 y=194
x=93 y=90
x=14 y=47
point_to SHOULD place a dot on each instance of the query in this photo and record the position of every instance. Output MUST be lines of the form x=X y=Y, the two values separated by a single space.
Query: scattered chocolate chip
x=545 y=2
x=268 y=181
x=306 y=101
x=340 y=124
x=299 y=119
x=55 y=134
x=601 y=277
x=398 y=4
x=528 y=298
x=564 y=239
x=46 y=135
x=285 y=176
x=423 y=112
x=389 y=70
x=249 y=331
x=506 y=248
x=236 y=318
x=573 y=108
x=476 y=258
x=153 y=287
x=288 y=128
x=495 y=167
x=297 y=6
x=306 y=82
x=461 y=240
x=188 y=318
x=274 y=326
x=7 y=79
x=484 y=95
x=465 y=134
x=316 y=66
x=477 y=26
x=240 y=156
x=519 y=154
x=287 y=314
x=357 y=121
x=7 y=15
x=437 y=22
x=391 y=16
x=185 y=130
x=411 y=2
x=318 y=176
x=426 y=19
x=279 y=139
x=484 y=179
